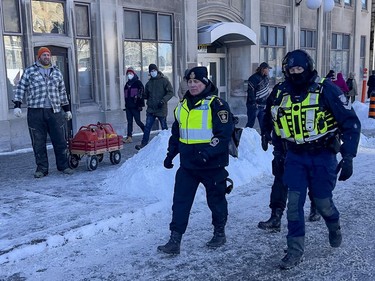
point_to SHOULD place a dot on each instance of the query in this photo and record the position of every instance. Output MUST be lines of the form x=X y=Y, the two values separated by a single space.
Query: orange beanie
x=43 y=50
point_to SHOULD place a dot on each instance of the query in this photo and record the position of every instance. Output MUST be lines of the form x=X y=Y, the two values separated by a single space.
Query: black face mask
x=300 y=78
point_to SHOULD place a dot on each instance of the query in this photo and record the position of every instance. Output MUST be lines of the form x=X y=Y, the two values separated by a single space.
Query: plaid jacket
x=36 y=88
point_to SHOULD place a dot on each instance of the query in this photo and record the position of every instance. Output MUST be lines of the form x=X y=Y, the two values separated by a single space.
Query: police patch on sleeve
x=223 y=116
x=345 y=101
x=214 y=142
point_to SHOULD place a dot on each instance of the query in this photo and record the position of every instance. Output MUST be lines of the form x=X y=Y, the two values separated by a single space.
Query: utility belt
x=330 y=142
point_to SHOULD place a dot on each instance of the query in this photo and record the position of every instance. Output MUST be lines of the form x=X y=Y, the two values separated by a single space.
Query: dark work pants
x=254 y=111
x=133 y=113
x=318 y=172
x=279 y=191
x=42 y=122
x=186 y=184
x=150 y=119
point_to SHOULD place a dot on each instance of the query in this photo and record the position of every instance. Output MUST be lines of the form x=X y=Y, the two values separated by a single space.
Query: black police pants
x=186 y=184
x=43 y=121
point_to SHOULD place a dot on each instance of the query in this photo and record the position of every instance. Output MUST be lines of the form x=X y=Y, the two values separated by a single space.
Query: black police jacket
x=216 y=152
x=333 y=100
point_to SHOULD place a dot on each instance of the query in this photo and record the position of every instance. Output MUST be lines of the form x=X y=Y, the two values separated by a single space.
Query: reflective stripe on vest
x=304 y=121
x=195 y=124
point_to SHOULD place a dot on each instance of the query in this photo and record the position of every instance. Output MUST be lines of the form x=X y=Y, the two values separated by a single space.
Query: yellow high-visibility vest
x=195 y=124
x=303 y=121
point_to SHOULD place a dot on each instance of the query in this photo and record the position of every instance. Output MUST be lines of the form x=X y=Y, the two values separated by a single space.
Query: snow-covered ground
x=106 y=224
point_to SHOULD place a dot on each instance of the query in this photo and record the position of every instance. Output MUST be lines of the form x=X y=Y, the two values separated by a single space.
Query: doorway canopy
x=225 y=33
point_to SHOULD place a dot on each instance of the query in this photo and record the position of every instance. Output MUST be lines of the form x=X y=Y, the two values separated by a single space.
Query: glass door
x=216 y=67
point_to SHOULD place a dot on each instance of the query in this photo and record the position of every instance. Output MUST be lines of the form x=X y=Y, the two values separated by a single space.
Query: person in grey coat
x=158 y=91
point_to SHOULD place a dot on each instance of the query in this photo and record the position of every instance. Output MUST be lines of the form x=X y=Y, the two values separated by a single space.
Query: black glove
x=266 y=138
x=346 y=167
x=139 y=108
x=160 y=104
x=168 y=162
x=202 y=157
x=278 y=166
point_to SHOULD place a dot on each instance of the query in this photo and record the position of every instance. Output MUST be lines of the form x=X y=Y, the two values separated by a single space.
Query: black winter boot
x=335 y=236
x=314 y=214
x=294 y=253
x=173 y=245
x=218 y=239
x=274 y=222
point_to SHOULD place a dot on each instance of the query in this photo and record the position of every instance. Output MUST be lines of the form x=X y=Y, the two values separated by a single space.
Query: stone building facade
x=94 y=41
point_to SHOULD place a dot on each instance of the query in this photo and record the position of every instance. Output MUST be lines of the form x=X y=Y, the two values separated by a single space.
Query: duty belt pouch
x=334 y=144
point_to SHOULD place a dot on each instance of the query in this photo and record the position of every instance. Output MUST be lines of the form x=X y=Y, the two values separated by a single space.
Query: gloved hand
x=346 y=167
x=160 y=104
x=266 y=139
x=17 y=112
x=202 y=157
x=278 y=166
x=140 y=108
x=68 y=115
x=168 y=162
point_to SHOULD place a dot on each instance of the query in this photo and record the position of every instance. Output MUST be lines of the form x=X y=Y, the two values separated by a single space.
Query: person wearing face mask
x=158 y=91
x=133 y=95
x=315 y=120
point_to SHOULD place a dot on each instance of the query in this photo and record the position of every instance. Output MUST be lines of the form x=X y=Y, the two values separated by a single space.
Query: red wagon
x=93 y=141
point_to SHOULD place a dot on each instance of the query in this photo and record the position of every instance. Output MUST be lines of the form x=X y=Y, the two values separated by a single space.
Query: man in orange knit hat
x=43 y=86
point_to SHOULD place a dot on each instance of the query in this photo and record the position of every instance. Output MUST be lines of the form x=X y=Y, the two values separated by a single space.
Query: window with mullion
x=13 y=46
x=272 y=50
x=340 y=51
x=83 y=51
x=148 y=38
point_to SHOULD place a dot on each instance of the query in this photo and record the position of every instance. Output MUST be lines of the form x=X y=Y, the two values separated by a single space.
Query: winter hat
x=264 y=65
x=200 y=73
x=186 y=73
x=43 y=50
x=130 y=70
x=152 y=67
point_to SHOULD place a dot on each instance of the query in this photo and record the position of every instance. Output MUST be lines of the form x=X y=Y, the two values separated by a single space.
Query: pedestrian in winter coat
x=43 y=86
x=371 y=84
x=340 y=82
x=158 y=91
x=133 y=95
x=257 y=93
x=316 y=122
x=201 y=133
x=331 y=75
x=352 y=86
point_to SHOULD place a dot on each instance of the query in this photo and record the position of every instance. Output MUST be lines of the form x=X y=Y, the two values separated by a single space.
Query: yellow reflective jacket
x=195 y=124
x=303 y=121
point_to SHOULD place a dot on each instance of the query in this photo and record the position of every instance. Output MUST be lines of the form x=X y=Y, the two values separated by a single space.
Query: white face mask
x=130 y=76
x=153 y=73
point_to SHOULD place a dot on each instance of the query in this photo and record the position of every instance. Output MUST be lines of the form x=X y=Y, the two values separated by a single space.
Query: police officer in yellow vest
x=200 y=134
x=312 y=116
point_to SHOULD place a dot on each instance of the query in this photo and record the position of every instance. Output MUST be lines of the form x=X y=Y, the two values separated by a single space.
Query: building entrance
x=216 y=66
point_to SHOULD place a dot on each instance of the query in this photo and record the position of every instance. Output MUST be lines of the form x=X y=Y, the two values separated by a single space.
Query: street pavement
x=75 y=200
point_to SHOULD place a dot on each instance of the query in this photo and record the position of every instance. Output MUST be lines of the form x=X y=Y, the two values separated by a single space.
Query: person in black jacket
x=133 y=91
x=279 y=191
x=158 y=91
x=316 y=121
x=257 y=93
x=200 y=134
